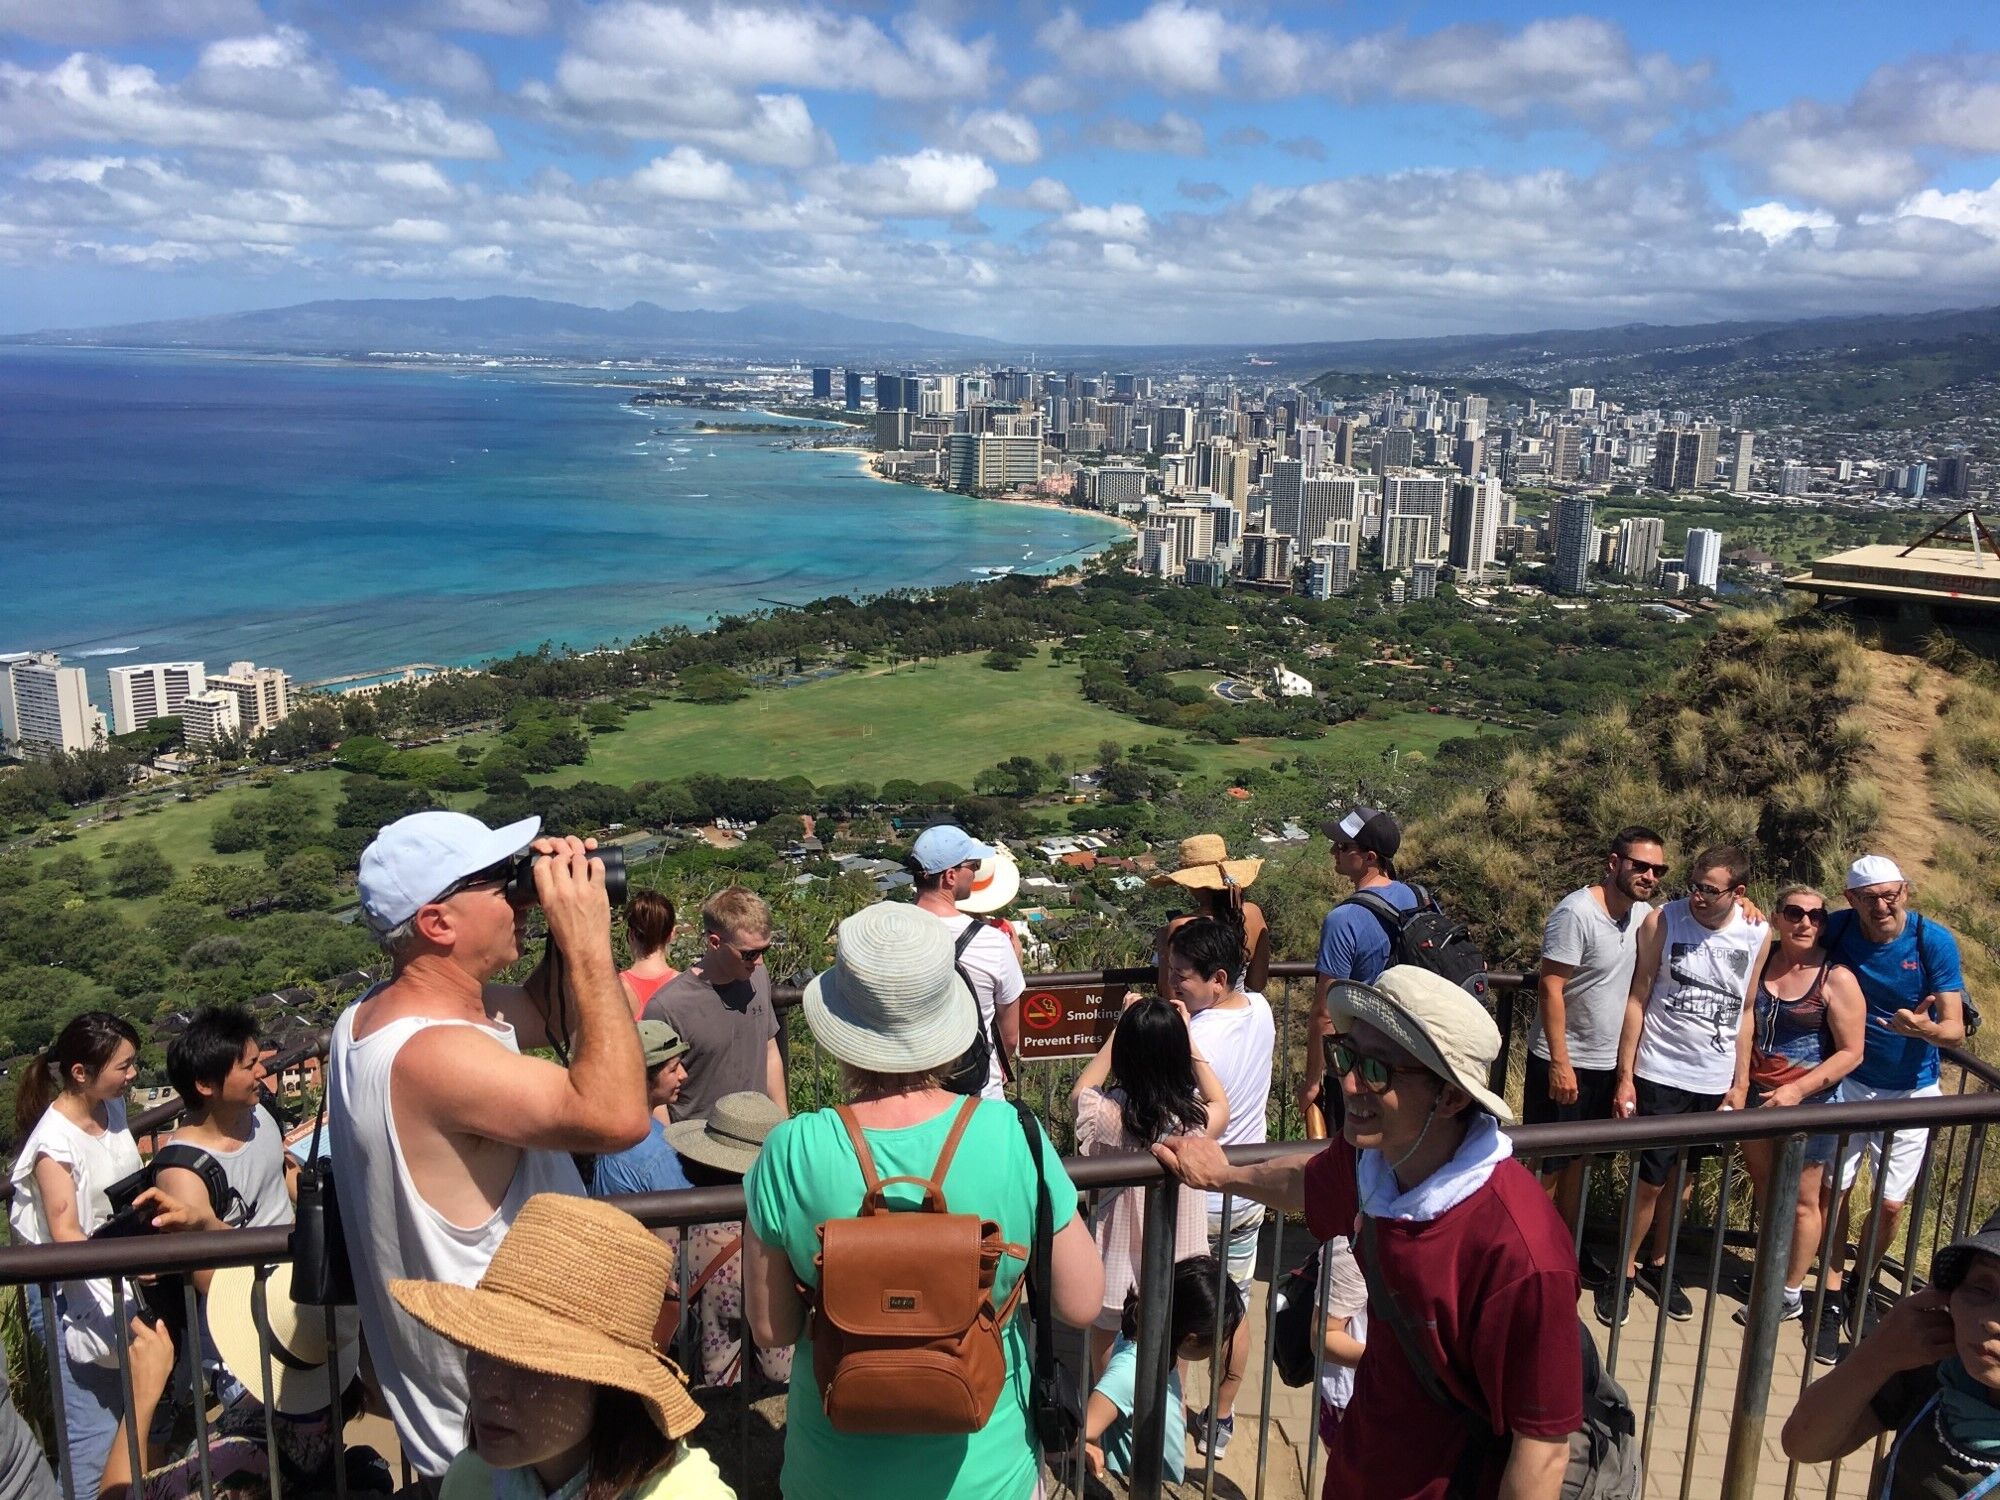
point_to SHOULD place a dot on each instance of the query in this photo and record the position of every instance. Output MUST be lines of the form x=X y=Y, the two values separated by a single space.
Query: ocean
x=332 y=518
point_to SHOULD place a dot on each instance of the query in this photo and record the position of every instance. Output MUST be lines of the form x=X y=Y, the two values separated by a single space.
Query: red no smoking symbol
x=1041 y=1012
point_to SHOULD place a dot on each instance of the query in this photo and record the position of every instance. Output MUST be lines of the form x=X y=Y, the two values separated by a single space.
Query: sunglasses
x=498 y=874
x=1700 y=892
x=1373 y=1073
x=1645 y=866
x=748 y=955
x=1792 y=913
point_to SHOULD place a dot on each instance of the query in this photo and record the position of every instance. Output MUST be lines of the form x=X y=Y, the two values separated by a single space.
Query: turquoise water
x=331 y=518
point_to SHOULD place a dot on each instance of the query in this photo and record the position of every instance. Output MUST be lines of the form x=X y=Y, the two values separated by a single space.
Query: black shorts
x=1594 y=1087
x=1664 y=1099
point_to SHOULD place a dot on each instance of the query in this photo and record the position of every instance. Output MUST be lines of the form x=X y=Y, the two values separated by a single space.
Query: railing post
x=1156 y=1294
x=1760 y=1335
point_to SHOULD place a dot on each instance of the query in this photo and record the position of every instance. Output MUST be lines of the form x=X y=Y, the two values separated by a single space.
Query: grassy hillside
x=944 y=719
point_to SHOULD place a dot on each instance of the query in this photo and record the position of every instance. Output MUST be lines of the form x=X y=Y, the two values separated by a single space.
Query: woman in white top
x=70 y=1111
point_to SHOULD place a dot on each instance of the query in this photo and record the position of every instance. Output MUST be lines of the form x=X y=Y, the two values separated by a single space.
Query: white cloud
x=1173 y=133
x=1002 y=135
x=1976 y=208
x=1125 y=222
x=499 y=17
x=928 y=184
x=264 y=93
x=1579 y=66
x=108 y=21
x=1049 y=196
x=685 y=173
x=1778 y=221
x=428 y=61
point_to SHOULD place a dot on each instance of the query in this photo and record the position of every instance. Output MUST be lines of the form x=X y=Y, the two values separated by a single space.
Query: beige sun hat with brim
x=573 y=1291
x=301 y=1375
x=1443 y=1027
x=997 y=882
x=893 y=1001
x=732 y=1135
x=1203 y=864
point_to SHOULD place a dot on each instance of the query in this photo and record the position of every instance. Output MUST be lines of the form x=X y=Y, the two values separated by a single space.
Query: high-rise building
x=1476 y=506
x=1469 y=455
x=1320 y=504
x=1118 y=484
x=1638 y=554
x=1424 y=495
x=1565 y=453
x=1576 y=541
x=1741 y=464
x=822 y=383
x=1916 y=480
x=1423 y=580
x=1955 y=477
x=263 y=694
x=50 y=708
x=1159 y=550
x=1232 y=480
x=1703 y=562
x=1582 y=398
x=141 y=694
x=1397 y=449
x=853 y=390
x=1792 y=477
x=208 y=718
x=1406 y=539
x=1331 y=571
x=1267 y=557
x=10 y=730
x=993 y=460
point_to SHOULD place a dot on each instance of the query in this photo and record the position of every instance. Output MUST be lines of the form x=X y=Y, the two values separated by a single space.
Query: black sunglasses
x=1645 y=864
x=1375 y=1075
x=1794 y=913
x=748 y=955
x=498 y=874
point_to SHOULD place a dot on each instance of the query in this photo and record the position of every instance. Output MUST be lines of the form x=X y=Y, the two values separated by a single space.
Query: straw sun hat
x=573 y=1291
x=893 y=1001
x=1203 y=864
x=997 y=882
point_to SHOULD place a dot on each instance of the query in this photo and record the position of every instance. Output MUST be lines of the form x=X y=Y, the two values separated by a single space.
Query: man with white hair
x=441 y=1127
x=1909 y=973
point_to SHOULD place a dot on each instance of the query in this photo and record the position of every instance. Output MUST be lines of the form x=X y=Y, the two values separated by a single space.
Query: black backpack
x=162 y=1294
x=1426 y=937
x=1295 y=1345
x=967 y=1076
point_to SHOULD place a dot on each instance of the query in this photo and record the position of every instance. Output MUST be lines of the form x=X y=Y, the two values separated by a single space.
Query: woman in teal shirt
x=895 y=1014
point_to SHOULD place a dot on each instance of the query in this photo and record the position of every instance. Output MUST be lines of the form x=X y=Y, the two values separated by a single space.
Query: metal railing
x=1952 y=1186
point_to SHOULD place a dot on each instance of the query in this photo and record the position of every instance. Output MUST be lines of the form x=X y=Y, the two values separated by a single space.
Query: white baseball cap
x=1873 y=869
x=416 y=859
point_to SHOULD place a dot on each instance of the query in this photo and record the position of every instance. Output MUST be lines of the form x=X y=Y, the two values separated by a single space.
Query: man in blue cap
x=944 y=861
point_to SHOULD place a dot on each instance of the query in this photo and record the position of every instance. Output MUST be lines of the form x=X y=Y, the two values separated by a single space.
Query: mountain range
x=533 y=326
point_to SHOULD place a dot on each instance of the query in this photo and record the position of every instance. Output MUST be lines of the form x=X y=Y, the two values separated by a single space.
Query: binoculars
x=521 y=876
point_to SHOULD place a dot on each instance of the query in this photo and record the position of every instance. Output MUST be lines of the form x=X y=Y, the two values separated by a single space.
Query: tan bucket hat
x=573 y=1291
x=1203 y=864
x=1443 y=1027
x=732 y=1134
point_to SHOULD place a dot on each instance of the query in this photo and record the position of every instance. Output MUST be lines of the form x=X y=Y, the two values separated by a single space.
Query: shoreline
x=866 y=463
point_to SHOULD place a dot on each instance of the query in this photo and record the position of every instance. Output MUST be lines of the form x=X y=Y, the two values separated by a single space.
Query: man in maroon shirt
x=1467 y=1248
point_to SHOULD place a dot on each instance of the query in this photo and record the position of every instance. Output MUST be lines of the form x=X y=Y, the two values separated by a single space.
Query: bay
x=331 y=517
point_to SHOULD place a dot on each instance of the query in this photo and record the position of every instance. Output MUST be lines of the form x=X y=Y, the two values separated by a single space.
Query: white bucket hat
x=893 y=1001
x=1442 y=1026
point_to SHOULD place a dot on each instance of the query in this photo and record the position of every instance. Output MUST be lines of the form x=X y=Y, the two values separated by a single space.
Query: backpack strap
x=722 y=1258
x=972 y=930
x=872 y=1200
x=1383 y=911
x=223 y=1199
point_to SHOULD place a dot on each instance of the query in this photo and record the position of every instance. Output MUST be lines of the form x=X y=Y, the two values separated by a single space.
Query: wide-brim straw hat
x=1203 y=864
x=573 y=1291
x=1442 y=1026
x=301 y=1375
x=732 y=1134
x=997 y=882
x=893 y=1001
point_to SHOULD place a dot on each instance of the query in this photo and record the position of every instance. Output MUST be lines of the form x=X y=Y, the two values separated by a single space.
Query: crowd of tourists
x=904 y=1255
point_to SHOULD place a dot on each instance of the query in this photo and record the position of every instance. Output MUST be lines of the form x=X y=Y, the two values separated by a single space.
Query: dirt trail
x=1903 y=721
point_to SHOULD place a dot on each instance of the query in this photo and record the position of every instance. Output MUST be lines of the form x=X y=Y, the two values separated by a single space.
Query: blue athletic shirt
x=1353 y=944
x=1895 y=976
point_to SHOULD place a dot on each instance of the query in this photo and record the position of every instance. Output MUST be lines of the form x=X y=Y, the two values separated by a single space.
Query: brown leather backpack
x=906 y=1338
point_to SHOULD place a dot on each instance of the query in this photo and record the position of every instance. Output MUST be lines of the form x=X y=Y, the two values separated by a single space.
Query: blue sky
x=1173 y=170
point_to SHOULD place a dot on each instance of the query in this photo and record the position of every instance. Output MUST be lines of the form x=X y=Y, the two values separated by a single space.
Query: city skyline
x=1121 y=172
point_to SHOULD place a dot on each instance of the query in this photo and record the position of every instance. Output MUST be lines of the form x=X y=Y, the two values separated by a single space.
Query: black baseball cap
x=1367 y=828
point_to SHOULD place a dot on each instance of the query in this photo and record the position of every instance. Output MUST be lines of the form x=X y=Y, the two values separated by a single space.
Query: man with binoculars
x=441 y=1127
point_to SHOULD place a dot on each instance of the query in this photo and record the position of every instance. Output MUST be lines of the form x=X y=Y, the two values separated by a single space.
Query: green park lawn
x=937 y=720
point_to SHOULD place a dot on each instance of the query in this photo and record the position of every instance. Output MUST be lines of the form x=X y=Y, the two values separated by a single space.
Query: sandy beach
x=866 y=461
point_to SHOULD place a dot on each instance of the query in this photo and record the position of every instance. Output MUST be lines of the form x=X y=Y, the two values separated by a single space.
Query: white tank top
x=392 y=1232
x=1696 y=1007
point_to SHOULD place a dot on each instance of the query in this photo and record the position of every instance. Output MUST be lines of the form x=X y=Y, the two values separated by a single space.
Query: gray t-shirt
x=1602 y=952
x=728 y=1033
